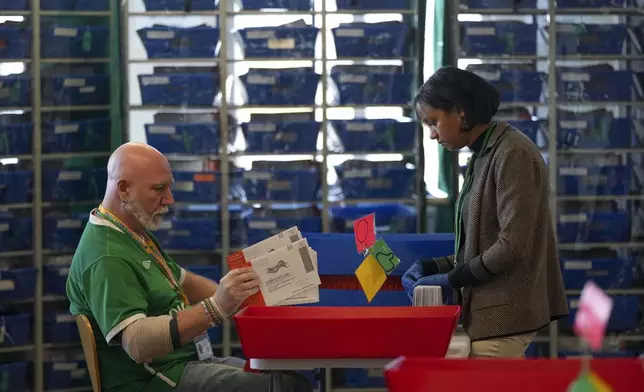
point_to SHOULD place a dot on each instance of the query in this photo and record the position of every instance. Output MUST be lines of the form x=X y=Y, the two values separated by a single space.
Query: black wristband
x=174 y=332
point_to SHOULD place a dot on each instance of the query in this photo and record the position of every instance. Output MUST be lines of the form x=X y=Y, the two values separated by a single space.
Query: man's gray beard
x=147 y=221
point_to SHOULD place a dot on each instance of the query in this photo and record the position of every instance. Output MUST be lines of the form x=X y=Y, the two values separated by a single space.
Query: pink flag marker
x=593 y=313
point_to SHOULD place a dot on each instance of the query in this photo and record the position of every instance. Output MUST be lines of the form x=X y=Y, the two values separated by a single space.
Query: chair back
x=89 y=349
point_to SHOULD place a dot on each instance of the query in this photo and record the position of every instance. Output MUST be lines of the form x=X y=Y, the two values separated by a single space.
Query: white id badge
x=204 y=347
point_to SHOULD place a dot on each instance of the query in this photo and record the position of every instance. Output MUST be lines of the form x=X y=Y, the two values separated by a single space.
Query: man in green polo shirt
x=149 y=315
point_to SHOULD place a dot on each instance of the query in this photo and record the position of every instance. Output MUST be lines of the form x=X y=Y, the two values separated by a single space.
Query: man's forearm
x=198 y=288
x=192 y=322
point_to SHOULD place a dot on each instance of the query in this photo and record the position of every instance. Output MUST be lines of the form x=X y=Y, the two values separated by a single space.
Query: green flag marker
x=385 y=257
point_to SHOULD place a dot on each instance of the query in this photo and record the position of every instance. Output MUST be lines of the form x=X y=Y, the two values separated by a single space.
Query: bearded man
x=150 y=316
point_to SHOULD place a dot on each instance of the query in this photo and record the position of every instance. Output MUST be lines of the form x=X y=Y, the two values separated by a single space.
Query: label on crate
x=63 y=271
x=60 y=260
x=566 y=28
x=69 y=224
x=573 y=218
x=364 y=173
x=65 y=318
x=69 y=128
x=286 y=43
x=578 y=265
x=4 y=227
x=349 y=32
x=574 y=304
x=288 y=137
x=260 y=34
x=74 y=82
x=162 y=129
x=165 y=225
x=481 y=31
x=7 y=285
x=350 y=78
x=155 y=80
x=5 y=92
x=275 y=185
x=65 y=366
x=262 y=225
x=575 y=77
x=259 y=79
x=262 y=127
x=65 y=32
x=493 y=76
x=573 y=171
x=574 y=124
x=87 y=89
x=258 y=175
x=360 y=127
x=160 y=34
x=180 y=233
x=378 y=373
x=78 y=374
x=379 y=183
x=70 y=176
x=184 y=186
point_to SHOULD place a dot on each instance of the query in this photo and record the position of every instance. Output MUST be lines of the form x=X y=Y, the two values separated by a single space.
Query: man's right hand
x=234 y=288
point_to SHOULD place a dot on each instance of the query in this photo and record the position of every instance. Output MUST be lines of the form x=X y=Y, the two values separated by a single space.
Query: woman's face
x=444 y=127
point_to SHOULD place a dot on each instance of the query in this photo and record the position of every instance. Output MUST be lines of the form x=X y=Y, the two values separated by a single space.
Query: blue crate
x=594 y=84
x=16 y=187
x=75 y=42
x=357 y=297
x=363 y=378
x=186 y=89
x=74 y=185
x=15 y=329
x=15 y=91
x=60 y=328
x=594 y=132
x=184 y=138
x=16 y=42
x=55 y=279
x=594 y=180
x=390 y=218
x=215 y=334
x=282 y=185
x=196 y=187
x=372 y=88
x=281 y=87
x=14 y=376
x=373 y=4
x=376 y=135
x=15 y=139
x=625 y=315
x=282 y=137
x=498 y=39
x=63 y=234
x=291 y=42
x=607 y=273
x=17 y=5
x=592 y=3
x=591 y=39
x=407 y=247
x=16 y=234
x=292 y=5
x=75 y=5
x=212 y=272
x=66 y=375
x=189 y=234
x=378 y=183
x=499 y=4
x=261 y=228
x=76 y=90
x=595 y=227
x=522 y=86
x=370 y=40
x=180 y=5
x=162 y=41
x=533 y=130
x=23 y=286
x=76 y=136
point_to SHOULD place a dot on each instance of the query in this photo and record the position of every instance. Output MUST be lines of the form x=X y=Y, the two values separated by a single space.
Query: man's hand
x=234 y=288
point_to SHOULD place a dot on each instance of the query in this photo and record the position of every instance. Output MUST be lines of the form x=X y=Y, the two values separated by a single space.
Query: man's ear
x=123 y=189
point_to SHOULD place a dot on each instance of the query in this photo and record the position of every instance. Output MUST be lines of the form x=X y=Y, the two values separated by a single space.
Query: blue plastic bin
x=74 y=185
x=533 y=130
x=499 y=4
x=196 y=187
x=370 y=40
x=55 y=279
x=184 y=138
x=15 y=139
x=215 y=334
x=60 y=327
x=592 y=3
x=390 y=218
x=625 y=315
x=377 y=88
x=63 y=234
x=15 y=329
x=408 y=248
x=181 y=89
x=498 y=39
x=76 y=136
x=379 y=183
x=282 y=185
x=16 y=235
x=20 y=283
x=282 y=137
x=189 y=234
x=358 y=298
x=606 y=273
x=16 y=42
x=291 y=42
x=595 y=227
x=162 y=41
x=373 y=4
x=591 y=39
x=292 y=5
x=376 y=135
x=212 y=272
x=261 y=228
x=587 y=131
x=75 y=5
x=66 y=375
x=363 y=378
x=180 y=5
x=13 y=376
x=16 y=187
x=76 y=42
x=15 y=90
x=594 y=83
x=594 y=180
x=76 y=90
x=17 y=5
x=521 y=86
x=281 y=87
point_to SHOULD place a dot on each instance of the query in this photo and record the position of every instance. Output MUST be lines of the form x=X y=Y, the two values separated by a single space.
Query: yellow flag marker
x=371 y=276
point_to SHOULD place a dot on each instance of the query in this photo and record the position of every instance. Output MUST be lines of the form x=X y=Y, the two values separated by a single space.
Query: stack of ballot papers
x=287 y=269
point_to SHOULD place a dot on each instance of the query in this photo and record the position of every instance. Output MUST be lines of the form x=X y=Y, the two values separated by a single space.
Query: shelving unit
x=59 y=120
x=594 y=157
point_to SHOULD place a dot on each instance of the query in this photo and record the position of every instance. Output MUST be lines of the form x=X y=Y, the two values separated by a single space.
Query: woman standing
x=505 y=265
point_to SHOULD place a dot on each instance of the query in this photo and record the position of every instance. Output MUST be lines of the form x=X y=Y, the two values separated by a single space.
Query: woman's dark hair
x=452 y=88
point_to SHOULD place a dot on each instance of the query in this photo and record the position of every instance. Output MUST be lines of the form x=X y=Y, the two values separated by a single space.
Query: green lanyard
x=467 y=185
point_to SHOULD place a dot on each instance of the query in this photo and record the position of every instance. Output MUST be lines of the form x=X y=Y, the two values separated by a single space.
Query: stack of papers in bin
x=287 y=269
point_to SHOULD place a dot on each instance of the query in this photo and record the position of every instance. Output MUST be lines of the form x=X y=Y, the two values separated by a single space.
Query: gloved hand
x=433 y=280
x=234 y=288
x=412 y=275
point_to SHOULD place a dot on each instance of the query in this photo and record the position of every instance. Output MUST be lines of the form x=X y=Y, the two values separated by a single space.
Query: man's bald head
x=131 y=160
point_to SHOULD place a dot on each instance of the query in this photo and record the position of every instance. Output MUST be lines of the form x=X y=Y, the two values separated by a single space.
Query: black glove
x=429 y=267
x=462 y=276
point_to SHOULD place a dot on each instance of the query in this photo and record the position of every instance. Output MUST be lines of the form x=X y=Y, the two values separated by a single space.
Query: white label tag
x=65 y=318
x=573 y=171
x=69 y=224
x=204 y=347
x=65 y=366
x=262 y=127
x=262 y=225
x=74 y=82
x=259 y=79
x=87 y=89
x=287 y=43
x=65 y=32
x=162 y=129
x=349 y=32
x=260 y=34
x=160 y=34
x=360 y=127
x=379 y=373
x=165 y=225
x=4 y=227
x=566 y=28
x=579 y=124
x=63 y=272
x=578 y=265
x=575 y=77
x=70 y=176
x=364 y=173
x=78 y=374
x=61 y=129
x=355 y=79
x=185 y=186
x=7 y=285
x=573 y=218
x=275 y=185
x=258 y=175
x=155 y=80
x=481 y=31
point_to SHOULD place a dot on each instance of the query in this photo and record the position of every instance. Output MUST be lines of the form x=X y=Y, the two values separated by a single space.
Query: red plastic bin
x=507 y=375
x=290 y=332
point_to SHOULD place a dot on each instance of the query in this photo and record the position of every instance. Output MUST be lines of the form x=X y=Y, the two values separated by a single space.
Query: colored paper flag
x=371 y=276
x=592 y=316
x=385 y=256
x=589 y=382
x=364 y=231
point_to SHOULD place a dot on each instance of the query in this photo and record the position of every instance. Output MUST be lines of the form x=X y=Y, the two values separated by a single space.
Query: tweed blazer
x=510 y=243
